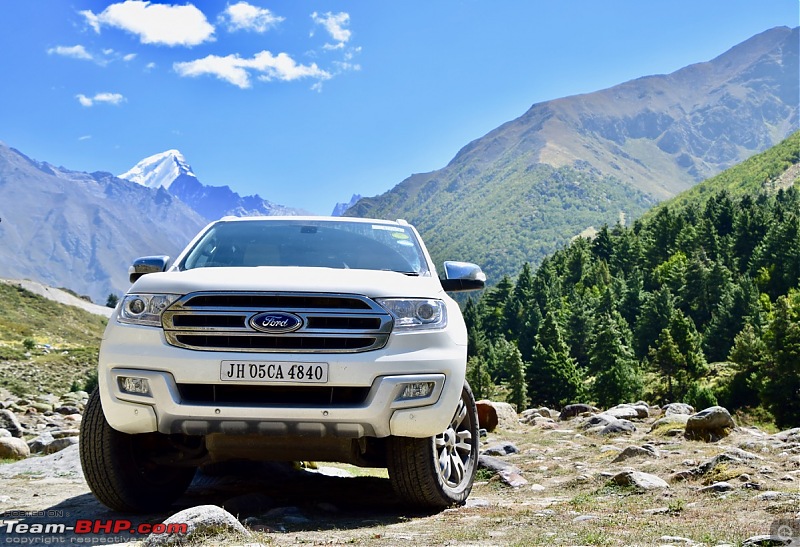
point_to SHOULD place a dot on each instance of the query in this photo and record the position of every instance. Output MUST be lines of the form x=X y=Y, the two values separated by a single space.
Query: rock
x=9 y=422
x=629 y=412
x=676 y=539
x=508 y=473
x=38 y=444
x=709 y=425
x=570 y=411
x=493 y=464
x=503 y=449
x=707 y=466
x=4 y=433
x=13 y=448
x=67 y=410
x=718 y=487
x=545 y=412
x=677 y=408
x=767 y=541
x=492 y=414
x=487 y=416
x=537 y=488
x=507 y=417
x=599 y=420
x=65 y=433
x=42 y=408
x=203 y=519
x=619 y=427
x=637 y=479
x=789 y=436
x=60 y=444
x=647 y=451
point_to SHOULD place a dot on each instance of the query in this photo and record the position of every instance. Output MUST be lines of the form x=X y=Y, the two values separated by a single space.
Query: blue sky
x=308 y=102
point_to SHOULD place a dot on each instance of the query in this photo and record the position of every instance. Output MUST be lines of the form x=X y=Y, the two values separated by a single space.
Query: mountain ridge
x=81 y=230
x=641 y=141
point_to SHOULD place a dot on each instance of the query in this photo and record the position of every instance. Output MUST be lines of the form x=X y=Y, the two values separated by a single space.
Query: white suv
x=285 y=338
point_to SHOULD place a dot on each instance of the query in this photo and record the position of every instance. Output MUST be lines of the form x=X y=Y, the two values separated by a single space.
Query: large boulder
x=627 y=411
x=677 y=408
x=12 y=448
x=639 y=480
x=201 y=520
x=492 y=415
x=709 y=425
x=571 y=411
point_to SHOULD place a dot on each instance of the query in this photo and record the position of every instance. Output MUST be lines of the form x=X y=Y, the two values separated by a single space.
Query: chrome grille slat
x=360 y=325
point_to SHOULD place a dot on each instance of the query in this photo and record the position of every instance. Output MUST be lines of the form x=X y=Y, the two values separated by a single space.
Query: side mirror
x=147 y=264
x=462 y=276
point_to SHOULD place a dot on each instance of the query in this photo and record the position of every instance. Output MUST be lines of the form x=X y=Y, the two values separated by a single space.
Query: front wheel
x=437 y=472
x=122 y=469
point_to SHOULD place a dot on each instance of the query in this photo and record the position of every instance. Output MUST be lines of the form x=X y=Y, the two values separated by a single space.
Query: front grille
x=331 y=323
x=294 y=396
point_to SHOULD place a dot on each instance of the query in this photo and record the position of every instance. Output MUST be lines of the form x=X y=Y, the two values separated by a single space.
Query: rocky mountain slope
x=523 y=189
x=171 y=171
x=81 y=230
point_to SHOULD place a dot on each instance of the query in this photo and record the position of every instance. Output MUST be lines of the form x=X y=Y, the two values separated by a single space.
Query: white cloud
x=335 y=24
x=76 y=52
x=244 y=16
x=166 y=24
x=110 y=98
x=84 y=137
x=237 y=71
x=102 y=58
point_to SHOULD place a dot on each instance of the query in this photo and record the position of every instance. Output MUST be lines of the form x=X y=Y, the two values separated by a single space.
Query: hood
x=369 y=283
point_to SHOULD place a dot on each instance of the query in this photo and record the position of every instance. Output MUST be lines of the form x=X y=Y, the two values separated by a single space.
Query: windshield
x=310 y=243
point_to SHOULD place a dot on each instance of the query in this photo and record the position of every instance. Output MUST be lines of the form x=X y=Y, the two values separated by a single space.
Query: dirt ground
x=567 y=500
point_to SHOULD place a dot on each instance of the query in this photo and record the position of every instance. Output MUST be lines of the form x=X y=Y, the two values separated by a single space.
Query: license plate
x=270 y=371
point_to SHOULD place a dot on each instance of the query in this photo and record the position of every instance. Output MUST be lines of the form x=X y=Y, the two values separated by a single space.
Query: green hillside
x=511 y=214
x=774 y=168
x=45 y=346
x=699 y=301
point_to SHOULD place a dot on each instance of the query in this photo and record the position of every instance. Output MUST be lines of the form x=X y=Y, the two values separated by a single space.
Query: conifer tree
x=479 y=378
x=657 y=312
x=748 y=354
x=781 y=388
x=666 y=358
x=554 y=378
x=618 y=378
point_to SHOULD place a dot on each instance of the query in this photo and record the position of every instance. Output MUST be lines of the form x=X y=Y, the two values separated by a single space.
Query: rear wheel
x=121 y=469
x=437 y=472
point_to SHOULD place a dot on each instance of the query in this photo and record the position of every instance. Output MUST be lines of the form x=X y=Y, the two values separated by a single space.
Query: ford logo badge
x=276 y=322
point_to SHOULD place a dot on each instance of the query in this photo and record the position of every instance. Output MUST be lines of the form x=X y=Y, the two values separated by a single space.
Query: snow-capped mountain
x=171 y=171
x=159 y=170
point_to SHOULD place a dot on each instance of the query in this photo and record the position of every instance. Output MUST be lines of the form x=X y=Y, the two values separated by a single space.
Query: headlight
x=416 y=313
x=145 y=309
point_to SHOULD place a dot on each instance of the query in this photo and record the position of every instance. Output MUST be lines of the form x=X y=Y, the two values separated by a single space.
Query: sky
x=308 y=102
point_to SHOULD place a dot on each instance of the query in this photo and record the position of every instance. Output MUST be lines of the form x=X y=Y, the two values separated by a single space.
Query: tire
x=437 y=472
x=118 y=466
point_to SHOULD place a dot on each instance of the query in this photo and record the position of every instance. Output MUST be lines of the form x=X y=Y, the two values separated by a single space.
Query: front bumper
x=142 y=352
